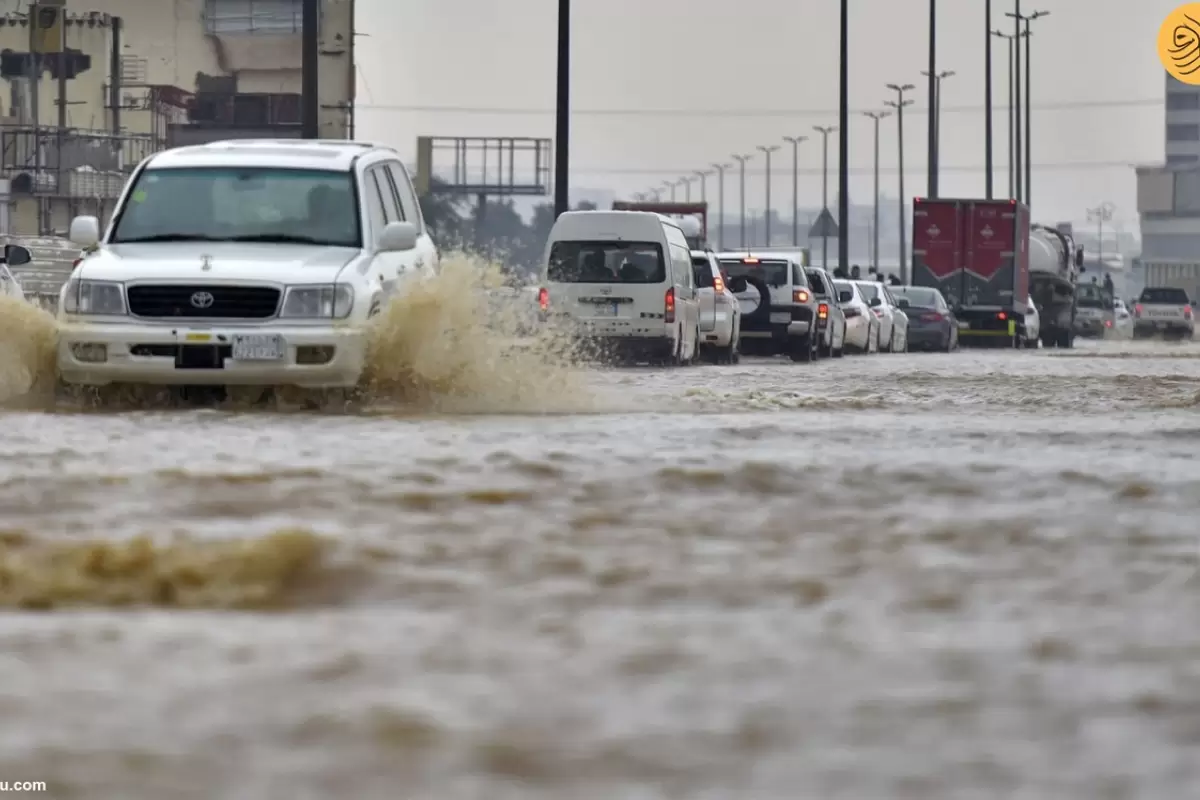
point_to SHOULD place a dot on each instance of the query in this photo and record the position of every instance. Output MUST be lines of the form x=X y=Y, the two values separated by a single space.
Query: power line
x=1060 y=166
x=1065 y=105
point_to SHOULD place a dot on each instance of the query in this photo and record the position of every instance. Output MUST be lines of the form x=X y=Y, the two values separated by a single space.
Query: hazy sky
x=763 y=69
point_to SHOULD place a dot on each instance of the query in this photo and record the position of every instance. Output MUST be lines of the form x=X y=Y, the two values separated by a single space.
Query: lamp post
x=875 y=116
x=1012 y=123
x=1018 y=194
x=562 y=111
x=795 y=141
x=1027 y=33
x=702 y=176
x=1100 y=214
x=844 y=139
x=741 y=160
x=900 y=103
x=937 y=121
x=686 y=183
x=931 y=74
x=989 y=188
x=767 y=150
x=670 y=187
x=720 y=170
x=825 y=131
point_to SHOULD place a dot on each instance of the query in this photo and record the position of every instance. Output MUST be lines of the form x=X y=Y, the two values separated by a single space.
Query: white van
x=623 y=280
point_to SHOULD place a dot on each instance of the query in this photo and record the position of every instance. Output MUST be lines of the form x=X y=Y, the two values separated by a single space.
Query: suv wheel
x=802 y=348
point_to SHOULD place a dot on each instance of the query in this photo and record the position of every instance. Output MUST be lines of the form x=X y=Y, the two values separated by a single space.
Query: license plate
x=964 y=326
x=608 y=310
x=781 y=317
x=257 y=347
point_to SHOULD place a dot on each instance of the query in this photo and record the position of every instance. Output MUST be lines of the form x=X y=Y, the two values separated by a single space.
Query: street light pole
x=824 y=131
x=900 y=104
x=844 y=141
x=1029 y=105
x=670 y=187
x=562 y=112
x=931 y=73
x=987 y=98
x=795 y=141
x=741 y=160
x=1017 y=99
x=937 y=118
x=720 y=170
x=702 y=176
x=686 y=183
x=767 y=150
x=1012 y=82
x=1100 y=214
x=875 y=116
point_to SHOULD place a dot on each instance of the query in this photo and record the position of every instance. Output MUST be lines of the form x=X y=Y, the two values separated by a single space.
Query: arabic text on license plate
x=257 y=347
x=606 y=310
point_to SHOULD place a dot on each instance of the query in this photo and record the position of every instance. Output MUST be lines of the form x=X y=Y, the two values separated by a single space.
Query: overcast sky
x=766 y=69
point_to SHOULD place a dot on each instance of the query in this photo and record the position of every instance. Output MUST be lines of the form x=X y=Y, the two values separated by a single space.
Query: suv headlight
x=329 y=301
x=104 y=298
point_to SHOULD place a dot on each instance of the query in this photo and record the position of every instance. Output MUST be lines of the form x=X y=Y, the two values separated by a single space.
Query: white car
x=720 y=310
x=622 y=281
x=242 y=263
x=893 y=324
x=1123 y=319
x=862 y=326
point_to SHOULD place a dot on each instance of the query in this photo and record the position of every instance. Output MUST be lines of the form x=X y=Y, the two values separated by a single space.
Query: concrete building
x=1182 y=122
x=153 y=74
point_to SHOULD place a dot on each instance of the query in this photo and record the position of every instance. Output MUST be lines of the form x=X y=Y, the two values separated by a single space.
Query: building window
x=264 y=17
x=1183 y=133
x=1182 y=158
x=1183 y=101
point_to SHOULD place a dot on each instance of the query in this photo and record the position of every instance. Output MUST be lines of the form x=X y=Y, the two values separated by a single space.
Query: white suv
x=249 y=262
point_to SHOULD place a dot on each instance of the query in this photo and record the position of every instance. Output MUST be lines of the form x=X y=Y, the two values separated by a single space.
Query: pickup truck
x=1163 y=311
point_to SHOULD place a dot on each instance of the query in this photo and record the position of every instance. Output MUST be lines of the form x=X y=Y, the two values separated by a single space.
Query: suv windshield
x=774 y=273
x=230 y=204
x=606 y=262
x=1165 y=296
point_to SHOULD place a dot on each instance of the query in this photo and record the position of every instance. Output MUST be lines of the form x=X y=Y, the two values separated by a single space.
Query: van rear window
x=606 y=262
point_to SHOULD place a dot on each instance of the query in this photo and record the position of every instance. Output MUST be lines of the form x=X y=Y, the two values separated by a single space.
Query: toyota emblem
x=202 y=300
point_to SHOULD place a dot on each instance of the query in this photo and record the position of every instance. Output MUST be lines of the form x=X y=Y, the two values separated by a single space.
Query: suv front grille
x=203 y=302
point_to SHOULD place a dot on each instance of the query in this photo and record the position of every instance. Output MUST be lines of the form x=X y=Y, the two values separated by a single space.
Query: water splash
x=28 y=337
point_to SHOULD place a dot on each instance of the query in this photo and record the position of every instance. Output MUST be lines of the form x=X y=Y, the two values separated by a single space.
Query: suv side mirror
x=398 y=237
x=85 y=232
x=16 y=256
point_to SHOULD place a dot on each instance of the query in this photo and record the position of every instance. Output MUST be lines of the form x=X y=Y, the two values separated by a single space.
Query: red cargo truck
x=976 y=252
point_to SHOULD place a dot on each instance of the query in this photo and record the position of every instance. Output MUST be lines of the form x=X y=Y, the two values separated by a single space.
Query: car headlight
x=329 y=301
x=105 y=298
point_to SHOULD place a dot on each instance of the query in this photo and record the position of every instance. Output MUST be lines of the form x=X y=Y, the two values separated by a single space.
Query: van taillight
x=543 y=299
x=669 y=306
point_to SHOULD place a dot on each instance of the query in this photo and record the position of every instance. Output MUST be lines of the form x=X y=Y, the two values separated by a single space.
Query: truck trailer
x=976 y=253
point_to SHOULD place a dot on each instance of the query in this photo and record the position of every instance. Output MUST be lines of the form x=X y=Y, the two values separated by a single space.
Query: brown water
x=948 y=576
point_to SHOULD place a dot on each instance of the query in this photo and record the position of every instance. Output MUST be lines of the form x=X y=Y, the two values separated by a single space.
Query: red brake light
x=1002 y=316
x=800 y=296
x=1108 y=323
x=1137 y=309
x=823 y=310
x=543 y=298
x=669 y=306
x=719 y=284
x=1187 y=311
x=750 y=261
x=932 y=317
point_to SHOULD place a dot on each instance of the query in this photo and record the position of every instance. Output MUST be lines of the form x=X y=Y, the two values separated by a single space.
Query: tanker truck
x=1055 y=264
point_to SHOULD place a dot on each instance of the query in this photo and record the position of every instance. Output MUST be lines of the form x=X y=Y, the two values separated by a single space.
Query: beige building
x=186 y=71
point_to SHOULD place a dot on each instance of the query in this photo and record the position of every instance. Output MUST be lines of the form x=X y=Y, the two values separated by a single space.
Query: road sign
x=825 y=227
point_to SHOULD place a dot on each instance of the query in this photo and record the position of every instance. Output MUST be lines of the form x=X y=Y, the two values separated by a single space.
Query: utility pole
x=931 y=74
x=987 y=99
x=720 y=170
x=686 y=183
x=1012 y=143
x=844 y=141
x=702 y=176
x=937 y=117
x=741 y=160
x=1029 y=105
x=767 y=150
x=875 y=116
x=1017 y=98
x=825 y=131
x=1100 y=214
x=900 y=104
x=562 y=111
x=795 y=141
x=310 y=58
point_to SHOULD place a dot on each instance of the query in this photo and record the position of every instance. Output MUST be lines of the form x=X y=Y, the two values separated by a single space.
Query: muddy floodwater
x=956 y=576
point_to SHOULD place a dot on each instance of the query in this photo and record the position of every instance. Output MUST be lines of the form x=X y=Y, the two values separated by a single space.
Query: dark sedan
x=931 y=323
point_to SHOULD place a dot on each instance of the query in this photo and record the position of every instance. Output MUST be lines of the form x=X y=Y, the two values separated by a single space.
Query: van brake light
x=544 y=298
x=669 y=306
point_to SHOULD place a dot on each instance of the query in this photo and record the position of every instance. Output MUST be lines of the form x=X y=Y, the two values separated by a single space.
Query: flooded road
x=963 y=575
